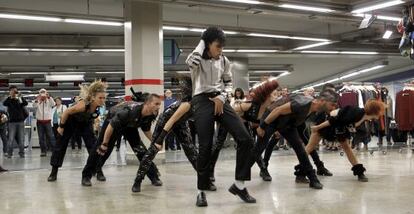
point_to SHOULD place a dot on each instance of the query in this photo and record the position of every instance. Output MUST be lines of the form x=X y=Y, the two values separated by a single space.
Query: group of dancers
x=255 y=125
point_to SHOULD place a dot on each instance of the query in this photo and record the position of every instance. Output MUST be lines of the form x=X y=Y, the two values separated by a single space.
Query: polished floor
x=390 y=189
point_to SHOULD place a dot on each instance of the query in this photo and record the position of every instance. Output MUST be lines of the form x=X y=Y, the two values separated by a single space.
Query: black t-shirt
x=128 y=115
x=300 y=107
x=252 y=115
x=346 y=116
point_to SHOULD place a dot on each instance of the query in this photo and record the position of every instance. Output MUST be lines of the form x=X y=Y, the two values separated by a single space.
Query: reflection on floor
x=389 y=190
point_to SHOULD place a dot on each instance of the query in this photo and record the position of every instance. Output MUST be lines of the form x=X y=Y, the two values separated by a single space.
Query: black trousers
x=219 y=143
x=269 y=150
x=304 y=135
x=96 y=161
x=182 y=132
x=292 y=136
x=4 y=138
x=83 y=130
x=76 y=140
x=204 y=122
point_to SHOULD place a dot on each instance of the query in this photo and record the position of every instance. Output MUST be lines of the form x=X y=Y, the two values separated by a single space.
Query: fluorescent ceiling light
x=28 y=73
x=109 y=72
x=29 y=17
x=378 y=6
x=53 y=50
x=307 y=8
x=387 y=34
x=230 y=32
x=332 y=80
x=380 y=17
x=284 y=74
x=255 y=51
x=288 y=37
x=93 y=22
x=64 y=78
x=175 y=28
x=244 y=1
x=320 y=52
x=312 y=46
x=371 y=69
x=107 y=50
x=358 y=52
x=271 y=71
x=14 y=49
x=229 y=50
x=349 y=75
x=195 y=29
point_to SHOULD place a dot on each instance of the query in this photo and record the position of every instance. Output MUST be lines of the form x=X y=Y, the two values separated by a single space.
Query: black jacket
x=128 y=115
x=15 y=107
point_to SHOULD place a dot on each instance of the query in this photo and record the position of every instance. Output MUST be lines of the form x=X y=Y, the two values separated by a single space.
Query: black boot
x=321 y=170
x=313 y=180
x=201 y=200
x=300 y=175
x=3 y=169
x=265 y=174
x=86 y=181
x=53 y=174
x=242 y=193
x=359 y=170
x=212 y=187
x=137 y=185
x=100 y=176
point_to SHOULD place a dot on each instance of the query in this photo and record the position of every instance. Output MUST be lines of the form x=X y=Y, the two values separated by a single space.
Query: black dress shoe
x=156 y=182
x=136 y=187
x=315 y=184
x=301 y=179
x=243 y=194
x=212 y=187
x=100 y=176
x=53 y=175
x=201 y=200
x=86 y=182
x=265 y=175
x=3 y=169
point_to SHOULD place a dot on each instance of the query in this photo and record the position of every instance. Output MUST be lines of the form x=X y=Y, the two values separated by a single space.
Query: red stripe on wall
x=143 y=82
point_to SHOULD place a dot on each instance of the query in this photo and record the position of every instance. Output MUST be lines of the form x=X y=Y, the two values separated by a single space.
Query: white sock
x=199 y=191
x=240 y=184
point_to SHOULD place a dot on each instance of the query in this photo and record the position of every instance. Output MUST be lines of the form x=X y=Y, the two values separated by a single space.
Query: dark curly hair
x=212 y=34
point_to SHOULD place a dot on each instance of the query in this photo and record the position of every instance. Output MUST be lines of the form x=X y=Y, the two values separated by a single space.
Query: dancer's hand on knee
x=218 y=105
x=260 y=131
x=102 y=150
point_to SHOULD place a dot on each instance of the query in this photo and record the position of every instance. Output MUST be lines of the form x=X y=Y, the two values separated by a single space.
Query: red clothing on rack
x=404 y=112
x=348 y=98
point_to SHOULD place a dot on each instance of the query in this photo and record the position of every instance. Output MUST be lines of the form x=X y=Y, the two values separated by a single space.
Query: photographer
x=15 y=104
x=44 y=104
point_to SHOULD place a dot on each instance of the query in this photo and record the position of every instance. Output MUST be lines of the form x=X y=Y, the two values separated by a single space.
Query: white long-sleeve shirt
x=212 y=75
x=44 y=109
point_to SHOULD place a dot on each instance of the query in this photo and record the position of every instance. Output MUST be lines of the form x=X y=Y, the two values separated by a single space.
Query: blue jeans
x=44 y=130
x=16 y=131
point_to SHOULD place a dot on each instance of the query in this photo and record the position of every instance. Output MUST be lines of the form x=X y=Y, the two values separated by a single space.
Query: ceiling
x=340 y=27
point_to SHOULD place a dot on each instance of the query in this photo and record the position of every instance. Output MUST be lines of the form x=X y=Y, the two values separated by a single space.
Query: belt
x=209 y=94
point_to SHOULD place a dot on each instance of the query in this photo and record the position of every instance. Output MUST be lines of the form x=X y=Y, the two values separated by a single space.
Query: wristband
x=263 y=125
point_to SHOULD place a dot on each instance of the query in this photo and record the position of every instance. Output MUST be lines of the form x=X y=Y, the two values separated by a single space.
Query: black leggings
x=96 y=161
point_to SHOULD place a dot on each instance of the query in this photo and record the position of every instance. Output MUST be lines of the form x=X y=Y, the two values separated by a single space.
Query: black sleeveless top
x=252 y=114
x=86 y=116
